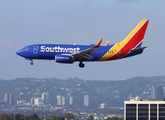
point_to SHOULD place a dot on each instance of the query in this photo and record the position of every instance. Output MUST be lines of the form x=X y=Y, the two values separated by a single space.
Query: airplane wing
x=86 y=54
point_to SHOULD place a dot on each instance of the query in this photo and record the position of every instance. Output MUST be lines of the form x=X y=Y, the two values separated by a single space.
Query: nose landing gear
x=81 y=65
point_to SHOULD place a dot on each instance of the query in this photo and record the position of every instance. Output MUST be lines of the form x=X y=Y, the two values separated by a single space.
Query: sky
x=82 y=22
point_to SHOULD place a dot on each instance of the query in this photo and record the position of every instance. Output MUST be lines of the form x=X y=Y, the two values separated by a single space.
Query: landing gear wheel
x=81 y=65
x=31 y=63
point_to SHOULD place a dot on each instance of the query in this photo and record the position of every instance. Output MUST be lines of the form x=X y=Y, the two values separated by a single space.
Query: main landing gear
x=31 y=63
x=81 y=65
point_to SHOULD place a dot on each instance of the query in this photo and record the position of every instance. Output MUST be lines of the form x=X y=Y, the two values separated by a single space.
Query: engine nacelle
x=63 y=59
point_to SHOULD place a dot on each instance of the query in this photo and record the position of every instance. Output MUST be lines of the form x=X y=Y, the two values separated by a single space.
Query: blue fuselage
x=49 y=51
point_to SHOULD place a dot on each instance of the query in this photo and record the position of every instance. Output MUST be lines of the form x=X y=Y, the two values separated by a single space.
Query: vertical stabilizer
x=135 y=38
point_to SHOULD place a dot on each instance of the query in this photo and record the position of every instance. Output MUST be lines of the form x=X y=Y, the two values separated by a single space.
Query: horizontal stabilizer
x=138 y=49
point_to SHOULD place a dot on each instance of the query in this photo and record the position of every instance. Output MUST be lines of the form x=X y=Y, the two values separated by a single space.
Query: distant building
x=149 y=109
x=21 y=102
x=11 y=99
x=37 y=101
x=59 y=100
x=6 y=98
x=70 y=100
x=157 y=92
x=32 y=101
x=86 y=100
x=102 y=105
x=45 y=97
x=63 y=100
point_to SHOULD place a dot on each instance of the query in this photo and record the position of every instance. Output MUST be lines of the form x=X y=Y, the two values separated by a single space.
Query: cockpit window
x=25 y=48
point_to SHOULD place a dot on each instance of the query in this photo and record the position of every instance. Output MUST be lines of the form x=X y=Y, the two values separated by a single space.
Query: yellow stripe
x=118 y=46
x=111 y=52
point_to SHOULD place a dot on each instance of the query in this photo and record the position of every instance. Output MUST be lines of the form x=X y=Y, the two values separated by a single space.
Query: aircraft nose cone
x=18 y=52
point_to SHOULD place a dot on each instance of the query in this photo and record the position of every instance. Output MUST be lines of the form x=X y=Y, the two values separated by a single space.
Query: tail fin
x=132 y=42
x=135 y=38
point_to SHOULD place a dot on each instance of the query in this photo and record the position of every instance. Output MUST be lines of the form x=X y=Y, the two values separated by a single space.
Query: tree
x=34 y=117
x=60 y=118
x=90 y=117
x=69 y=116
x=17 y=117
x=53 y=117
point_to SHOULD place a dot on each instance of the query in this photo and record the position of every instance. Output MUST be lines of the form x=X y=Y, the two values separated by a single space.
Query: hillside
x=113 y=93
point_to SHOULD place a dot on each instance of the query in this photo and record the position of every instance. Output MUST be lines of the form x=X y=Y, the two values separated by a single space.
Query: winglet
x=107 y=43
x=98 y=43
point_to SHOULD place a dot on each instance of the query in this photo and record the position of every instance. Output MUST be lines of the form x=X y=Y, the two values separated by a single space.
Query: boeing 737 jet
x=68 y=53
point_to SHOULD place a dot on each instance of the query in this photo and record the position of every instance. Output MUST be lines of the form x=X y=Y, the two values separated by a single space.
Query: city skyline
x=43 y=100
x=30 y=88
x=100 y=96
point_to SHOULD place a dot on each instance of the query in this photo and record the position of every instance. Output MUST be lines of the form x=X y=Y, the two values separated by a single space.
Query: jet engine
x=64 y=59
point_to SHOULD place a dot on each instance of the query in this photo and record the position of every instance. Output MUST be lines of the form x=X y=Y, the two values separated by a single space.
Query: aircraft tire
x=31 y=63
x=81 y=65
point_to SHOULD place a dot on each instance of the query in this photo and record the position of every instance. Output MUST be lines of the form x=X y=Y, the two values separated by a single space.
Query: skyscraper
x=59 y=100
x=6 y=98
x=45 y=97
x=37 y=101
x=157 y=92
x=32 y=100
x=70 y=100
x=11 y=99
x=63 y=100
x=86 y=100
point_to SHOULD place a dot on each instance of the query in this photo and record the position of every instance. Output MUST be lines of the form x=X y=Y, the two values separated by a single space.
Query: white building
x=70 y=100
x=102 y=105
x=63 y=100
x=45 y=97
x=38 y=101
x=32 y=101
x=86 y=100
x=59 y=100
x=138 y=109
x=21 y=102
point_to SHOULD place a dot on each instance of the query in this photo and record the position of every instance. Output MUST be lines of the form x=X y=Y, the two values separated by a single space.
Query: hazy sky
x=81 y=22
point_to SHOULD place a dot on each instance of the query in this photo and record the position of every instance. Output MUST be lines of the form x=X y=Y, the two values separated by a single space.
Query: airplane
x=68 y=53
